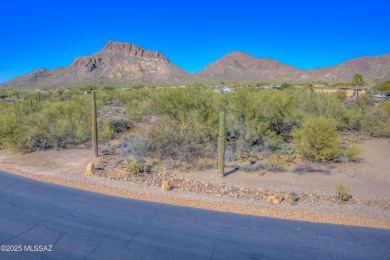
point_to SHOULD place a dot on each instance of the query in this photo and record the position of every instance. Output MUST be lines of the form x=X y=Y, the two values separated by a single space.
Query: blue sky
x=191 y=34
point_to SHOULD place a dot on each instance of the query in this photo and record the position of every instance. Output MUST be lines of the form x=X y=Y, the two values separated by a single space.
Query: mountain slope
x=375 y=69
x=240 y=67
x=120 y=64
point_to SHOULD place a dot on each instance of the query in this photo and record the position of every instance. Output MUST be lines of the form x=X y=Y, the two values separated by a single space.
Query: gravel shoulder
x=238 y=192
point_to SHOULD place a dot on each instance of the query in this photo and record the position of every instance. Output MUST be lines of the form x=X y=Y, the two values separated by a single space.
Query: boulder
x=275 y=199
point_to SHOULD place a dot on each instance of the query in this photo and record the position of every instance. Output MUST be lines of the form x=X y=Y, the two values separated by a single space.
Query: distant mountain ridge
x=240 y=67
x=125 y=64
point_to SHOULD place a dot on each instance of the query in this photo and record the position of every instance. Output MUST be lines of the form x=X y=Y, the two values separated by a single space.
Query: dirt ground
x=368 y=181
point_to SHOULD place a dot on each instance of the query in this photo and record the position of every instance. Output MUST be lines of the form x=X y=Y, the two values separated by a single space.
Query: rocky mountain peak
x=128 y=49
x=117 y=63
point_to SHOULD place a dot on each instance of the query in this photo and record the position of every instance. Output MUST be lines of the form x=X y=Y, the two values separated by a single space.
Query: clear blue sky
x=191 y=34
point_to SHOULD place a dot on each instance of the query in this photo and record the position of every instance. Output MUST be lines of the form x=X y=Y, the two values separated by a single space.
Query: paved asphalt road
x=75 y=224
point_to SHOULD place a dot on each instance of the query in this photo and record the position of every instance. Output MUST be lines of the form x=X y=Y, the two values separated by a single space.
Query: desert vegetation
x=179 y=127
x=342 y=192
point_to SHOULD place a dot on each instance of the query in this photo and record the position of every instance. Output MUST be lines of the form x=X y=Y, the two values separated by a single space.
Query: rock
x=166 y=186
x=133 y=50
x=275 y=199
x=90 y=169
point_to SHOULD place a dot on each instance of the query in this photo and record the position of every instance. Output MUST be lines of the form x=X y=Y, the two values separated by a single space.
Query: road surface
x=45 y=221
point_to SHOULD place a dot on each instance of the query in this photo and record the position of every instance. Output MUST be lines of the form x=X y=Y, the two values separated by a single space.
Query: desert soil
x=238 y=192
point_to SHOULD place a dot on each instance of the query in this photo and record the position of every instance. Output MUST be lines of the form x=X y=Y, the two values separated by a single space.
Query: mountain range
x=240 y=67
x=124 y=64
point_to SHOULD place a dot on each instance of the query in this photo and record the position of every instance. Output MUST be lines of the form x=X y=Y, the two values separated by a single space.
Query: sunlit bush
x=317 y=139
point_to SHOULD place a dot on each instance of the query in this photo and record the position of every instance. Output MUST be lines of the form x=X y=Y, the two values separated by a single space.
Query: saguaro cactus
x=94 y=126
x=221 y=144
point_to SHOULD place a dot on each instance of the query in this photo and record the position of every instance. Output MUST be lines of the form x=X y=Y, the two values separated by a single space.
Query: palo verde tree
x=317 y=139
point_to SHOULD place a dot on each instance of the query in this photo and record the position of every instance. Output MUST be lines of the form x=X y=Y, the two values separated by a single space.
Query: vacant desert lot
x=368 y=180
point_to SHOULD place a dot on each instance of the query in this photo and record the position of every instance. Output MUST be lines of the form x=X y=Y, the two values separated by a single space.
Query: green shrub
x=120 y=125
x=60 y=124
x=317 y=139
x=385 y=106
x=177 y=103
x=139 y=147
x=136 y=102
x=185 y=140
x=49 y=125
x=272 y=140
x=260 y=118
x=107 y=131
x=320 y=104
x=137 y=168
x=353 y=119
x=376 y=122
x=274 y=165
x=352 y=153
x=369 y=119
x=134 y=168
x=287 y=149
x=342 y=192
x=185 y=123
